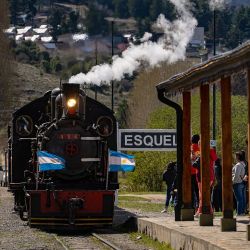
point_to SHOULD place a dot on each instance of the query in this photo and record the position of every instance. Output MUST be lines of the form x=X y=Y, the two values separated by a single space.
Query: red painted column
x=226 y=128
x=205 y=148
x=186 y=181
x=228 y=223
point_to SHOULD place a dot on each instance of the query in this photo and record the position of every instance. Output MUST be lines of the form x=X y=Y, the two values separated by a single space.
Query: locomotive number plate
x=69 y=136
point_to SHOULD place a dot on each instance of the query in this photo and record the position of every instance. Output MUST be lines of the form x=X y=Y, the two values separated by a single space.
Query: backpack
x=169 y=173
x=197 y=163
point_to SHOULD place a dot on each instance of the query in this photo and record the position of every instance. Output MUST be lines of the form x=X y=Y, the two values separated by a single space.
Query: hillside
x=28 y=83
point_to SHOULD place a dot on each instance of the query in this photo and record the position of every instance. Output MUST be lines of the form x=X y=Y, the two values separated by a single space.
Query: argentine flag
x=49 y=162
x=121 y=162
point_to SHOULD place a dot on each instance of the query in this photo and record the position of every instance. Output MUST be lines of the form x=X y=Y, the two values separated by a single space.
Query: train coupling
x=73 y=205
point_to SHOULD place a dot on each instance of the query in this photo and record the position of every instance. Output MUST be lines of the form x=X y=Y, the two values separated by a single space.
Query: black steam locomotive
x=67 y=123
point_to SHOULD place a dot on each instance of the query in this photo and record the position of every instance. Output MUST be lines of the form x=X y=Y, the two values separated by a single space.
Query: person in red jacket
x=195 y=152
x=213 y=158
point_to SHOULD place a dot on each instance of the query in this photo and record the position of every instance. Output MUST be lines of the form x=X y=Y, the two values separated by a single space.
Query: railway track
x=87 y=242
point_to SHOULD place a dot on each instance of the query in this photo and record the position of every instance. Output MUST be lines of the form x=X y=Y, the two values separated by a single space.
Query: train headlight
x=71 y=103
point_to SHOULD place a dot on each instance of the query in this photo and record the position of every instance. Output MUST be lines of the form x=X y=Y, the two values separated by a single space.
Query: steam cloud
x=146 y=37
x=218 y=4
x=170 y=48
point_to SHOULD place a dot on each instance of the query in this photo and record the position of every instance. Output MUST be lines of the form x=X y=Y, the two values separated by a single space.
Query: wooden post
x=205 y=219
x=227 y=222
x=187 y=212
x=248 y=139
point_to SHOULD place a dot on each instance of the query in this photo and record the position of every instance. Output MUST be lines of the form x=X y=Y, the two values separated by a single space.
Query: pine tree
x=95 y=22
x=121 y=8
x=73 y=21
x=13 y=11
x=156 y=8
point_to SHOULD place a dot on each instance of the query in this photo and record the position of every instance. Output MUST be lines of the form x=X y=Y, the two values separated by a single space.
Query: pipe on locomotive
x=179 y=116
x=68 y=102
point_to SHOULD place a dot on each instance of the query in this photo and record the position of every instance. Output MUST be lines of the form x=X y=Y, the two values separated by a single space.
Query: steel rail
x=106 y=242
x=61 y=243
x=101 y=239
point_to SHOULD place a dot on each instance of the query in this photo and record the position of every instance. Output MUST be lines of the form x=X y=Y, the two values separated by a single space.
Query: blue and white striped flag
x=121 y=162
x=49 y=162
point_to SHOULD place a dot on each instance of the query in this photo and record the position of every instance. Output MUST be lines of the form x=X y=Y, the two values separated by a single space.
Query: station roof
x=209 y=71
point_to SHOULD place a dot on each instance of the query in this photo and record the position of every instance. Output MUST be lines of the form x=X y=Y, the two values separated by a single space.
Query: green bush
x=55 y=64
x=121 y=114
x=76 y=69
x=44 y=55
x=45 y=66
x=29 y=49
x=148 y=173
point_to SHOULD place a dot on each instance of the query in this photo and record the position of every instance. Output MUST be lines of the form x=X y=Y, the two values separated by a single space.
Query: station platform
x=188 y=235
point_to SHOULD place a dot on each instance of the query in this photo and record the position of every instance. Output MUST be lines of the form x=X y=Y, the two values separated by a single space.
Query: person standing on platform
x=196 y=164
x=169 y=177
x=245 y=181
x=238 y=173
x=217 y=187
x=195 y=153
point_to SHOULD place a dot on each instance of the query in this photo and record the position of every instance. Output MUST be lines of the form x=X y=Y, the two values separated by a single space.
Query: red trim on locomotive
x=52 y=207
x=93 y=200
x=69 y=136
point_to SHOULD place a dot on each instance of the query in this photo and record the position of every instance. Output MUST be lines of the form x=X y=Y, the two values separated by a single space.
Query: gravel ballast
x=15 y=234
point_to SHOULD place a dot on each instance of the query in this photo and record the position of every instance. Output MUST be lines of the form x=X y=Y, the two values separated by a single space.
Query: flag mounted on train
x=121 y=162
x=49 y=162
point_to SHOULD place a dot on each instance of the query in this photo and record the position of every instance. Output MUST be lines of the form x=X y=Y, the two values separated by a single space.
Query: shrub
x=76 y=69
x=148 y=173
x=45 y=66
x=55 y=64
x=121 y=114
x=44 y=55
x=29 y=49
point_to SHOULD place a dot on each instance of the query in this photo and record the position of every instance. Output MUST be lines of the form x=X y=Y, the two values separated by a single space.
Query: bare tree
x=143 y=98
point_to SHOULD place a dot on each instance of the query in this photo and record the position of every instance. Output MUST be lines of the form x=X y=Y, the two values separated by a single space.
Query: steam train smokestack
x=69 y=102
x=170 y=48
x=70 y=89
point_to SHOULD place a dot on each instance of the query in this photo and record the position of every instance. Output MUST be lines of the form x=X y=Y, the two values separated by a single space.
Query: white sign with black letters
x=147 y=139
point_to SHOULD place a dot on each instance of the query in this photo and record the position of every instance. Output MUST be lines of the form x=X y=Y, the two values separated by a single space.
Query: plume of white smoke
x=146 y=37
x=218 y=4
x=171 y=47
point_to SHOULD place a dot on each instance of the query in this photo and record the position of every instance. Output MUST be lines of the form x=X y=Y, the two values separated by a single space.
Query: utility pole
x=96 y=62
x=214 y=86
x=112 y=52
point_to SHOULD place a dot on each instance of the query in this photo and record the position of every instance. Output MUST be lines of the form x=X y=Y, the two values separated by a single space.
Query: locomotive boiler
x=67 y=123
